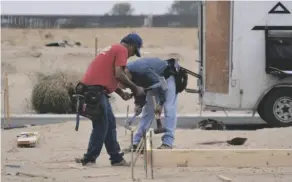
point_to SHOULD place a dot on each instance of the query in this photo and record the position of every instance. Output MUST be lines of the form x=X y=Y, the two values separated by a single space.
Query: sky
x=93 y=7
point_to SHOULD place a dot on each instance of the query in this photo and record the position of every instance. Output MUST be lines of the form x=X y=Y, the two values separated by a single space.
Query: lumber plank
x=222 y=158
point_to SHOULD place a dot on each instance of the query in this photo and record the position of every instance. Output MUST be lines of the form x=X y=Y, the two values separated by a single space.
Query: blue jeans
x=104 y=132
x=170 y=108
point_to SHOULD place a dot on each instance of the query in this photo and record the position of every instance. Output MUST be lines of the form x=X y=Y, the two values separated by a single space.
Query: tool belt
x=180 y=75
x=90 y=106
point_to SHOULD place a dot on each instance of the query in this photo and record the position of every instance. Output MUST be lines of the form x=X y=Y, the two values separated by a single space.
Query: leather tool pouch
x=91 y=106
x=181 y=76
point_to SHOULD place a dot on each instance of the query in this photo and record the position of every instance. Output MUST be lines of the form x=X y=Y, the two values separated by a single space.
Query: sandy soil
x=23 y=54
x=60 y=144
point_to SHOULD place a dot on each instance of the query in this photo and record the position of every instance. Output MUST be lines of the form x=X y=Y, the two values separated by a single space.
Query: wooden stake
x=6 y=100
x=149 y=156
x=96 y=45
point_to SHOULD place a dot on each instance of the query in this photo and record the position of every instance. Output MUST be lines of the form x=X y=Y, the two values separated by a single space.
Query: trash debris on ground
x=211 y=124
x=31 y=175
x=12 y=166
x=63 y=43
x=28 y=139
x=101 y=175
x=224 y=178
x=9 y=126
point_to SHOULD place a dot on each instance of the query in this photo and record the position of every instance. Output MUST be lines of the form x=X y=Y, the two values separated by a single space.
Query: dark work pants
x=104 y=132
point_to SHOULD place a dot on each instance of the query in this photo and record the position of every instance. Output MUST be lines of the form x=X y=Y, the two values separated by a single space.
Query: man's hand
x=158 y=110
x=137 y=109
x=126 y=96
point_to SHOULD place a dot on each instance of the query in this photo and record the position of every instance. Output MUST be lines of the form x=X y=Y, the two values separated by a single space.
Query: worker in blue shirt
x=146 y=72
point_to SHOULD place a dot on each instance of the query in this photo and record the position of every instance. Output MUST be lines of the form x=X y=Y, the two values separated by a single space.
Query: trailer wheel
x=276 y=109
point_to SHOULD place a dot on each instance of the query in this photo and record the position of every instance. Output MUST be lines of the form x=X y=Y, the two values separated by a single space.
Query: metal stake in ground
x=151 y=155
x=138 y=152
x=145 y=154
x=132 y=157
x=127 y=119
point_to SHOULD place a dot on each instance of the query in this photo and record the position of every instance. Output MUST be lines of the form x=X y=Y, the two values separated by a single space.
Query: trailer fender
x=284 y=83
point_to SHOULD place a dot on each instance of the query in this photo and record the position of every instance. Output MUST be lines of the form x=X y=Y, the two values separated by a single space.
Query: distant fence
x=106 y=21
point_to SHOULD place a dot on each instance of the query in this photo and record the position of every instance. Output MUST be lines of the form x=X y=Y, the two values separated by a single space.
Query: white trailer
x=246 y=58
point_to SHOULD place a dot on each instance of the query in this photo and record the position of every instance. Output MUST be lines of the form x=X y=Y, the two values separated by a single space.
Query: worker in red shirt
x=102 y=78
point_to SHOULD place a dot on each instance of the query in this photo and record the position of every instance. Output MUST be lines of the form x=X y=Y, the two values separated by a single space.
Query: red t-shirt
x=101 y=69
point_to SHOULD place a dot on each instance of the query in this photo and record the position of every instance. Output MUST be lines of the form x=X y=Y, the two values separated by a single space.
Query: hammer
x=77 y=96
x=159 y=128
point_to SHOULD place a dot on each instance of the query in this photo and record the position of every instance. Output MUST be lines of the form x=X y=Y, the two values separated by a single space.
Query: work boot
x=84 y=161
x=164 y=146
x=128 y=150
x=121 y=163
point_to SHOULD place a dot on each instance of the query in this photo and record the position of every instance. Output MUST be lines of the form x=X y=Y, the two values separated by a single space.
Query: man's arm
x=120 y=61
x=154 y=77
x=123 y=78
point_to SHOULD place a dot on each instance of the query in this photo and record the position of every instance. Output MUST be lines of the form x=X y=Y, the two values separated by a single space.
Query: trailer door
x=215 y=54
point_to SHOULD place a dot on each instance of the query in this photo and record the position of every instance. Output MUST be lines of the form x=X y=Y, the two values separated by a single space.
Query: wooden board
x=149 y=148
x=222 y=158
x=217 y=28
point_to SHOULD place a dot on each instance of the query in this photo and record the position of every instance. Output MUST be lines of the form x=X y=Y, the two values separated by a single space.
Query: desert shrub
x=53 y=92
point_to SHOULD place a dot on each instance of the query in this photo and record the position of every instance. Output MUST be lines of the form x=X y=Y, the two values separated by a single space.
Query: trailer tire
x=276 y=108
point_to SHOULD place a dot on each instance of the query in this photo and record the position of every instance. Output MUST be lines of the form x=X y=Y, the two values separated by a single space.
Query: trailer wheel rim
x=282 y=109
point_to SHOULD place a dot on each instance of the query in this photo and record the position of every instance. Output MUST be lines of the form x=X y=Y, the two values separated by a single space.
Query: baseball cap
x=134 y=39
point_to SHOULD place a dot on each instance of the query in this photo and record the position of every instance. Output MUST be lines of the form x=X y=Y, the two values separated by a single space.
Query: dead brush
x=53 y=92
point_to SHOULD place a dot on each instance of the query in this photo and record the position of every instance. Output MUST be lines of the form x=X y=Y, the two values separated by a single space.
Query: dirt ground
x=23 y=54
x=60 y=144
